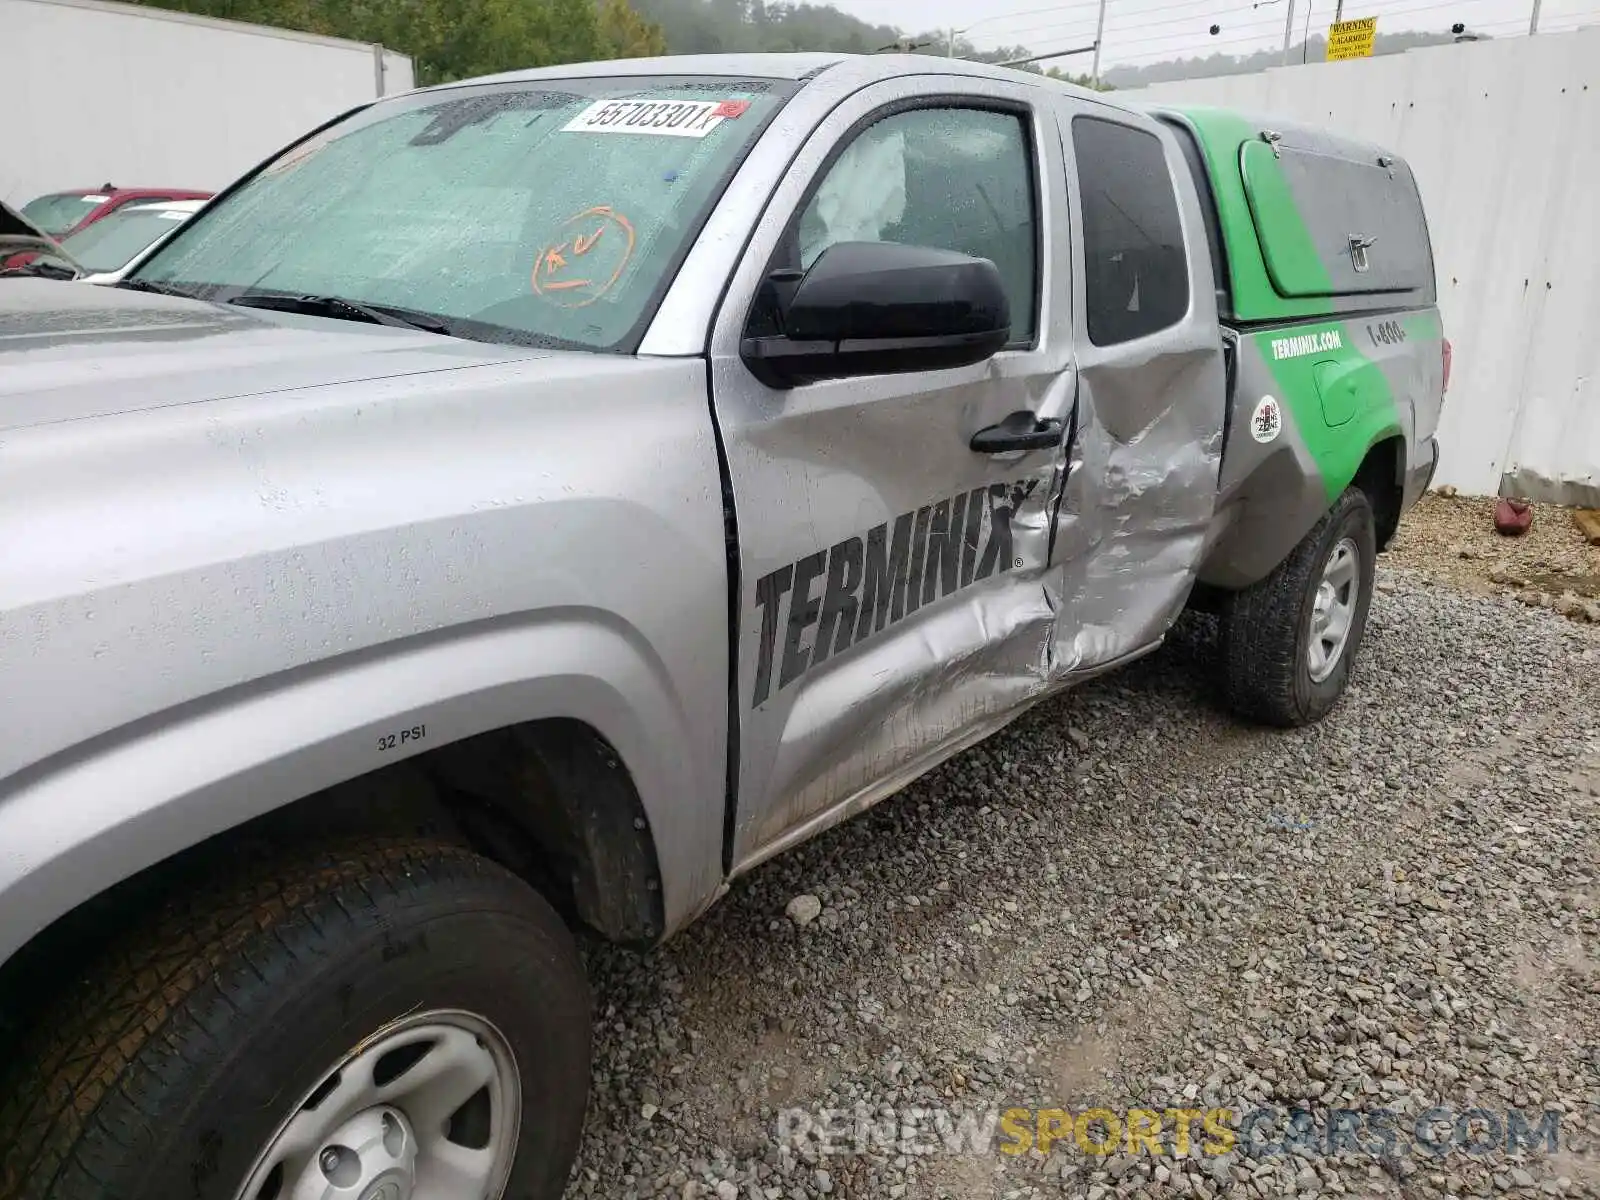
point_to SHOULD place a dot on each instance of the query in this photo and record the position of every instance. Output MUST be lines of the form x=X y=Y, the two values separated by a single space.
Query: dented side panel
x=1141 y=493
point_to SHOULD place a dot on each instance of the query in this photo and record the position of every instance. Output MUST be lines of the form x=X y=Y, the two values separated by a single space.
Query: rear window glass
x=1336 y=226
x=1136 y=271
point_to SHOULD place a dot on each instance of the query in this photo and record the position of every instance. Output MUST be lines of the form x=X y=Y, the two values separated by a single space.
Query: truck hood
x=75 y=350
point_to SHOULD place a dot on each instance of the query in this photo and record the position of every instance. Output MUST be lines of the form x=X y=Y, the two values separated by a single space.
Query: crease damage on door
x=895 y=706
x=1134 y=516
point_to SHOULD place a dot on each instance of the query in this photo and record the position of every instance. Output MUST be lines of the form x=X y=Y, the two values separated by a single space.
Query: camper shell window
x=1332 y=225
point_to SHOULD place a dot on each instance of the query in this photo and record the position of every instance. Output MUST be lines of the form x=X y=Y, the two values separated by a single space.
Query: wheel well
x=1382 y=477
x=550 y=800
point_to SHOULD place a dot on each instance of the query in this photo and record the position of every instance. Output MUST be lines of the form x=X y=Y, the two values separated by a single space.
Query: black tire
x=1266 y=628
x=166 y=1072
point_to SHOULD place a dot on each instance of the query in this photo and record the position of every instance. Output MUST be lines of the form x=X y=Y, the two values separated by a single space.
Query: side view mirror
x=880 y=308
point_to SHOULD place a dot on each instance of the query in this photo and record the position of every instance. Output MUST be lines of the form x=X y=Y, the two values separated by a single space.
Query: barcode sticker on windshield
x=664 y=118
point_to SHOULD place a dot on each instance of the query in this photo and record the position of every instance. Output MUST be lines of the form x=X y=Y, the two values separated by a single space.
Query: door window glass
x=952 y=178
x=1136 y=273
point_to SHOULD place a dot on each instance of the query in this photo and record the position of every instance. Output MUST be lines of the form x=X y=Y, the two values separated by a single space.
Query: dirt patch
x=963 y=1178
x=1082 y=1067
x=1452 y=539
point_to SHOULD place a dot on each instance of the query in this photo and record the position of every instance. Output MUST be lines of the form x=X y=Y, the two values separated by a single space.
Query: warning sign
x=1351 y=39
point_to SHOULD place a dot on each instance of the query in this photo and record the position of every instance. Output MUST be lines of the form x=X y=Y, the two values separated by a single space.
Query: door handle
x=1019 y=431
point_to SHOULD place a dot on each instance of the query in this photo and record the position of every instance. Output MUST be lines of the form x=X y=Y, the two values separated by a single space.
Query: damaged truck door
x=1141 y=496
x=901 y=511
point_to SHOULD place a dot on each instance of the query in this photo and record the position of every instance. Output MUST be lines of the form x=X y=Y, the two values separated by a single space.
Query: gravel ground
x=1551 y=566
x=1127 y=900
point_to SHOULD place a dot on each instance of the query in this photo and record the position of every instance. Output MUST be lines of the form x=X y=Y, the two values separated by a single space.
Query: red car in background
x=61 y=213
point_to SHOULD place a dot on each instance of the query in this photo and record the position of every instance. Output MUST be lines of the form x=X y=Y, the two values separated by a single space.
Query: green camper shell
x=1303 y=223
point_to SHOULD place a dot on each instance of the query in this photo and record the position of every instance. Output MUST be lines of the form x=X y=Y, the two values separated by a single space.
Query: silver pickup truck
x=524 y=506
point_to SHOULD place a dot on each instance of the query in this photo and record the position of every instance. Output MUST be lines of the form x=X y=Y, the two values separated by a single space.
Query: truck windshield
x=552 y=212
x=112 y=241
x=61 y=211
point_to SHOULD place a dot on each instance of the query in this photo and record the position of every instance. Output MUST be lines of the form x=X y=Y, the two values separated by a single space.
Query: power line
x=1091 y=5
x=1545 y=25
x=1180 y=40
x=1140 y=24
x=1209 y=41
x=1059 y=30
x=1190 y=4
x=1193 y=18
x=1263 y=23
x=1206 y=52
x=1016 y=33
x=1272 y=23
x=1171 y=53
x=1270 y=26
x=1409 y=9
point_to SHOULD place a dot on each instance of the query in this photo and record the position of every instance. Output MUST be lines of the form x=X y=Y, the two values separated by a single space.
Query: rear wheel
x=392 y=1022
x=1289 y=641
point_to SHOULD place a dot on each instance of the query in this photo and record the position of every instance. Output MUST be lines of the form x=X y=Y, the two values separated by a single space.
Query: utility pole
x=1288 y=32
x=950 y=46
x=1533 y=21
x=1100 y=36
x=1338 y=11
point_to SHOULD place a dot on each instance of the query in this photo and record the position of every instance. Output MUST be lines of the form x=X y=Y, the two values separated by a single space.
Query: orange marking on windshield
x=582 y=236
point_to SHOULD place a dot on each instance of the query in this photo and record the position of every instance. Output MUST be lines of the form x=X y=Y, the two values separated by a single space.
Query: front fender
x=86 y=819
x=212 y=604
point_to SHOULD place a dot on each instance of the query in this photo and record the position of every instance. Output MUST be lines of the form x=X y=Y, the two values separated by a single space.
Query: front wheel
x=389 y=1022
x=1288 y=642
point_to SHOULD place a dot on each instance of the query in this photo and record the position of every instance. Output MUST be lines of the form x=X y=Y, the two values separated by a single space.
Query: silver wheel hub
x=427 y=1108
x=372 y=1156
x=1333 y=609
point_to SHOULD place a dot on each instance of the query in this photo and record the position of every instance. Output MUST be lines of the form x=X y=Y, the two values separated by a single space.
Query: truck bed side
x=1322 y=387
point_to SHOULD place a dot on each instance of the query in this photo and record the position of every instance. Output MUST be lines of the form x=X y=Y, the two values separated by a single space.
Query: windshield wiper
x=160 y=289
x=347 y=310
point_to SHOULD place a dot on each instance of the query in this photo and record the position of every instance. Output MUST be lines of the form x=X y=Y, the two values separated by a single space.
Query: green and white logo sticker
x=1266 y=423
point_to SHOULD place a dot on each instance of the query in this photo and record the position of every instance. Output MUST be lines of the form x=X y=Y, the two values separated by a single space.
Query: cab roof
x=798 y=67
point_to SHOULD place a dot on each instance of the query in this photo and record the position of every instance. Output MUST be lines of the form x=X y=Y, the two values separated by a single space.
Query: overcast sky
x=1145 y=31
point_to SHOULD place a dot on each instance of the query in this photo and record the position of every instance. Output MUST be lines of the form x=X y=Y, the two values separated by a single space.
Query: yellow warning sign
x=1351 y=39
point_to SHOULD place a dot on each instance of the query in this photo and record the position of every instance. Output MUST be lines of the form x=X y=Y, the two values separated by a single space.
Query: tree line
x=458 y=39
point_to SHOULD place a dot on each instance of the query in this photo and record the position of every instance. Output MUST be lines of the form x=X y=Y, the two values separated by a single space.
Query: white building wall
x=1504 y=137
x=97 y=93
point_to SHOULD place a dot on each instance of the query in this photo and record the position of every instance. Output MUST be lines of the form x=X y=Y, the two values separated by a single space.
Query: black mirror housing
x=878 y=308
